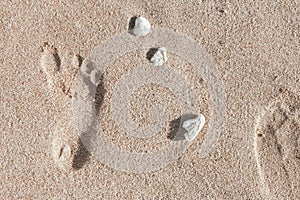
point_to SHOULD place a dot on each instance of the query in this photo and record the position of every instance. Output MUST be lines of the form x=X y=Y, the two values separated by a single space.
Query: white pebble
x=61 y=152
x=141 y=27
x=65 y=153
x=160 y=57
x=193 y=127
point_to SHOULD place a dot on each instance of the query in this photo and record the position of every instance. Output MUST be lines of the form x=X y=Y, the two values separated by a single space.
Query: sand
x=256 y=49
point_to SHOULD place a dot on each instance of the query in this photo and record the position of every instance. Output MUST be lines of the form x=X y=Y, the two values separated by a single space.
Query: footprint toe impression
x=60 y=82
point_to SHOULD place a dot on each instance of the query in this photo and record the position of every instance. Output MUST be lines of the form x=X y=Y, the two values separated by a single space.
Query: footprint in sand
x=277 y=146
x=66 y=146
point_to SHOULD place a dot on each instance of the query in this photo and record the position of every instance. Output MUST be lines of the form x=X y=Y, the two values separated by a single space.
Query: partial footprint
x=50 y=63
x=64 y=145
x=60 y=80
x=61 y=152
x=277 y=146
x=60 y=75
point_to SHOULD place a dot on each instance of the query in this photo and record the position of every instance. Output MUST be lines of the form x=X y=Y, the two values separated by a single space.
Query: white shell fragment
x=193 y=127
x=65 y=153
x=160 y=57
x=141 y=27
x=61 y=151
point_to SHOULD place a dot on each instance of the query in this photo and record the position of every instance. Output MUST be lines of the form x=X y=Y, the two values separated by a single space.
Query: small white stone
x=65 y=153
x=141 y=27
x=193 y=127
x=160 y=57
x=61 y=152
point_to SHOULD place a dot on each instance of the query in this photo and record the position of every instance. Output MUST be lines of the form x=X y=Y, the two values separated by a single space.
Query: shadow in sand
x=151 y=53
x=80 y=59
x=99 y=96
x=176 y=131
x=131 y=24
x=81 y=156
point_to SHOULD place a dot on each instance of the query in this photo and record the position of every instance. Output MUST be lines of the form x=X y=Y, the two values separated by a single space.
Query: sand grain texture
x=256 y=47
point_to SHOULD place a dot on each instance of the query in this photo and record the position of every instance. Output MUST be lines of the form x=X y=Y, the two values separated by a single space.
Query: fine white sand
x=255 y=47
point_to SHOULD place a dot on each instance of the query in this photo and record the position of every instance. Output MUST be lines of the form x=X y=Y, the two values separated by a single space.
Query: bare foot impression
x=278 y=147
x=64 y=144
x=123 y=103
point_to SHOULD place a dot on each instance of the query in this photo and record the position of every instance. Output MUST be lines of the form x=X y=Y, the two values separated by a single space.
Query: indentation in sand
x=60 y=72
x=277 y=147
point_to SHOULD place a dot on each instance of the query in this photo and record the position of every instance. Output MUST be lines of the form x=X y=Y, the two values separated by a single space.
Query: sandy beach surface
x=44 y=49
